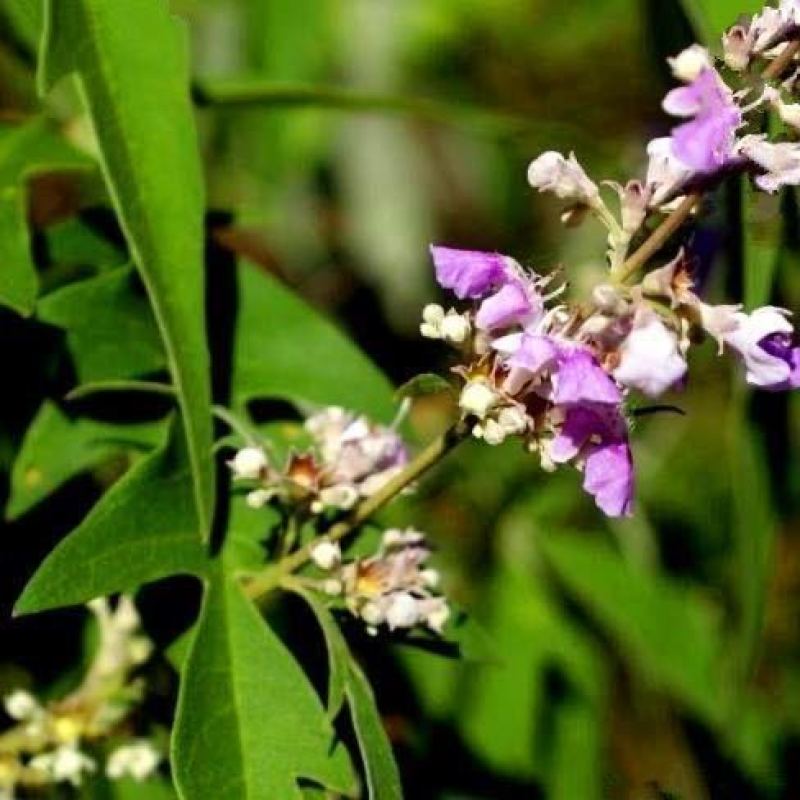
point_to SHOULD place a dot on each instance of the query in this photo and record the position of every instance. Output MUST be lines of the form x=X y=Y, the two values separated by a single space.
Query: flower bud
x=21 y=705
x=565 y=178
x=512 y=420
x=455 y=328
x=736 y=45
x=258 y=498
x=433 y=314
x=689 y=63
x=326 y=555
x=477 y=398
x=248 y=463
x=403 y=611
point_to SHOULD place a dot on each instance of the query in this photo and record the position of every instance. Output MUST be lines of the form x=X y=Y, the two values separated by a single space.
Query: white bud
x=493 y=432
x=343 y=496
x=689 y=63
x=67 y=763
x=477 y=398
x=736 y=46
x=248 y=463
x=332 y=586
x=437 y=617
x=403 y=611
x=512 y=420
x=258 y=498
x=455 y=328
x=433 y=314
x=326 y=555
x=430 y=577
x=138 y=760
x=21 y=705
x=429 y=331
x=372 y=614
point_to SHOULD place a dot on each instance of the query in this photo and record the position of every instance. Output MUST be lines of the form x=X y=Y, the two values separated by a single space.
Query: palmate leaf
x=144 y=528
x=284 y=348
x=25 y=150
x=135 y=88
x=110 y=330
x=249 y=725
x=57 y=447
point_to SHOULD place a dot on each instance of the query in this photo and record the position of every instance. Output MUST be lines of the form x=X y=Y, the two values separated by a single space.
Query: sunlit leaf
x=249 y=724
x=136 y=92
x=143 y=528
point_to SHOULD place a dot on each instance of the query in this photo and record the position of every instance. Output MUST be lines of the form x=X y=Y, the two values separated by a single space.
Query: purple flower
x=468 y=273
x=650 y=359
x=599 y=436
x=764 y=342
x=579 y=379
x=706 y=143
x=513 y=304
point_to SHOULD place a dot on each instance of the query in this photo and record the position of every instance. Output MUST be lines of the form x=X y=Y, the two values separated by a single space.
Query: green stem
x=260 y=584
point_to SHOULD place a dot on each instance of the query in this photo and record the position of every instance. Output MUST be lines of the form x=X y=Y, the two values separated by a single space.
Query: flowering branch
x=259 y=585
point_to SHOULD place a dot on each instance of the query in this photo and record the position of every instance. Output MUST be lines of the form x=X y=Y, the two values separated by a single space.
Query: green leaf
x=383 y=778
x=57 y=447
x=136 y=90
x=25 y=151
x=665 y=631
x=110 y=329
x=345 y=678
x=143 y=528
x=427 y=383
x=338 y=651
x=712 y=17
x=286 y=349
x=249 y=724
x=762 y=234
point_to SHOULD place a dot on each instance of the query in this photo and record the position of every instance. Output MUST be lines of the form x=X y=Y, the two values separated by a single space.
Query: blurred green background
x=654 y=657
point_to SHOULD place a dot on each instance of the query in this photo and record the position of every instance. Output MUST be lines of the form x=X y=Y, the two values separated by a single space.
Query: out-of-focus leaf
x=286 y=349
x=74 y=243
x=576 y=769
x=110 y=330
x=249 y=724
x=667 y=634
x=143 y=528
x=57 y=448
x=383 y=779
x=427 y=383
x=136 y=92
x=25 y=150
x=762 y=234
x=150 y=789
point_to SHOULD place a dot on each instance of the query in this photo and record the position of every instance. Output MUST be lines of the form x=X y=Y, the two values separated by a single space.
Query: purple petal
x=534 y=353
x=780 y=346
x=580 y=424
x=468 y=273
x=580 y=379
x=608 y=477
x=508 y=306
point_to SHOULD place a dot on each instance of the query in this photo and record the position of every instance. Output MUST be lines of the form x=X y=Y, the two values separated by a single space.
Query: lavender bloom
x=580 y=380
x=763 y=340
x=706 y=143
x=468 y=273
x=514 y=303
x=650 y=358
x=599 y=436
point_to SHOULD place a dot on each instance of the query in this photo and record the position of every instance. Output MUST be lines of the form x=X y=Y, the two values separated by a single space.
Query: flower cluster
x=559 y=374
x=352 y=458
x=392 y=587
x=47 y=743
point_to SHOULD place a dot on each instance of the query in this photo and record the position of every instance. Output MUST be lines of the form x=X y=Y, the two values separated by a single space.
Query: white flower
x=436 y=613
x=21 y=705
x=650 y=358
x=258 y=498
x=332 y=586
x=455 y=328
x=781 y=161
x=665 y=173
x=477 y=398
x=402 y=611
x=432 y=317
x=718 y=321
x=343 y=495
x=372 y=613
x=326 y=555
x=565 y=178
x=737 y=44
x=249 y=463
x=66 y=763
x=689 y=63
x=138 y=760
x=512 y=420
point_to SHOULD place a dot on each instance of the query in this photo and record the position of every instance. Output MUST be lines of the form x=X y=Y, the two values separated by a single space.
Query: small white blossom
x=512 y=420
x=66 y=763
x=737 y=44
x=138 y=761
x=249 y=463
x=343 y=495
x=455 y=328
x=402 y=611
x=332 y=586
x=689 y=63
x=326 y=555
x=477 y=398
x=21 y=705
x=780 y=162
x=258 y=498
